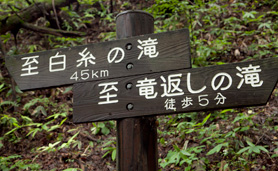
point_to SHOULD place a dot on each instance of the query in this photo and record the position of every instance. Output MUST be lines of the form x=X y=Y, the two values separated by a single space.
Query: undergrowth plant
x=13 y=162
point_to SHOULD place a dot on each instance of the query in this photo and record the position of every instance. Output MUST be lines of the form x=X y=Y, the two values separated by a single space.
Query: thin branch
x=14 y=11
x=2 y=48
x=55 y=13
x=3 y=51
x=55 y=32
x=29 y=14
x=14 y=7
x=43 y=11
x=28 y=2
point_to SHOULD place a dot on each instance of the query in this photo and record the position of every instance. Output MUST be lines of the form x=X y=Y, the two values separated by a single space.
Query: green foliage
x=217 y=148
x=1 y=143
x=64 y=42
x=110 y=148
x=107 y=36
x=181 y=156
x=12 y=5
x=9 y=121
x=72 y=169
x=72 y=142
x=7 y=103
x=225 y=141
x=252 y=148
x=275 y=152
x=32 y=102
x=6 y=37
x=50 y=148
x=102 y=127
x=12 y=162
x=215 y=33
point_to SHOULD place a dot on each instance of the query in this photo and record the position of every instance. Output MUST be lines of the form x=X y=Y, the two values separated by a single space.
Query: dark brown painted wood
x=249 y=93
x=137 y=137
x=60 y=67
x=137 y=144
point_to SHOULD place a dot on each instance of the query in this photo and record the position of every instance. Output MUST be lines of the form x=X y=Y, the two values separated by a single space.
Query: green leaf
x=244 y=128
x=264 y=25
x=71 y=139
x=274 y=155
x=175 y=158
x=108 y=143
x=255 y=149
x=108 y=148
x=79 y=145
x=63 y=146
x=249 y=14
x=263 y=149
x=33 y=132
x=184 y=152
x=63 y=121
x=176 y=148
x=56 y=115
x=72 y=169
x=18 y=90
x=216 y=149
x=105 y=154
x=250 y=143
x=45 y=127
x=226 y=166
x=68 y=89
x=105 y=131
x=243 y=150
x=114 y=154
x=188 y=168
x=53 y=145
x=40 y=109
x=33 y=102
x=226 y=110
x=101 y=125
x=9 y=103
x=11 y=131
x=220 y=140
x=206 y=119
x=1 y=86
x=163 y=165
x=95 y=130
x=26 y=119
x=53 y=128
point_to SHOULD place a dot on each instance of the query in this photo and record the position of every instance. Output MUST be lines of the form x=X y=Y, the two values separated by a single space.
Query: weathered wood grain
x=86 y=95
x=172 y=47
x=136 y=137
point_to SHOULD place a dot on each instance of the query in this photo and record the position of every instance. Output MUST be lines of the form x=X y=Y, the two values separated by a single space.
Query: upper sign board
x=186 y=90
x=124 y=57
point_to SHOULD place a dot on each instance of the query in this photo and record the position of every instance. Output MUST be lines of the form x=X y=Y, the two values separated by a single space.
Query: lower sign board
x=186 y=90
x=125 y=57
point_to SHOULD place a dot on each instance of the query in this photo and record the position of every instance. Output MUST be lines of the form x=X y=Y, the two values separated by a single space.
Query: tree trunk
x=30 y=14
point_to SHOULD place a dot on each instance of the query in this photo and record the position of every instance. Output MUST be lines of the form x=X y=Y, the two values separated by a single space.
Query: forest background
x=36 y=128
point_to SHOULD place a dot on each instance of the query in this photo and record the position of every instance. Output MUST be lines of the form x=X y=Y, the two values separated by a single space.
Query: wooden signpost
x=136 y=55
x=134 y=78
x=180 y=91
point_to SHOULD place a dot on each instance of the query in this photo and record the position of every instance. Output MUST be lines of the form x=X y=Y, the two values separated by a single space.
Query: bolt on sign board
x=124 y=57
x=185 y=90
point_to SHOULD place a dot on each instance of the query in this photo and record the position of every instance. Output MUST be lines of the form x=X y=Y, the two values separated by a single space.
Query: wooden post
x=136 y=137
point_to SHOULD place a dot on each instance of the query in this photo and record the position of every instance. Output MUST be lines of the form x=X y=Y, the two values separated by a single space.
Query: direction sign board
x=125 y=57
x=224 y=86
